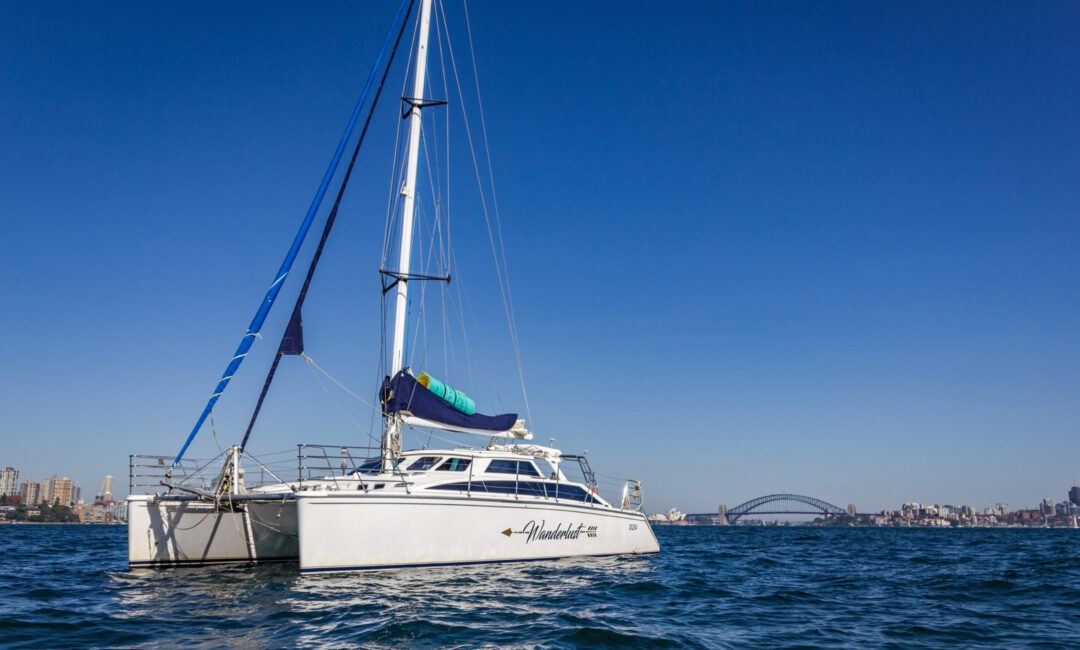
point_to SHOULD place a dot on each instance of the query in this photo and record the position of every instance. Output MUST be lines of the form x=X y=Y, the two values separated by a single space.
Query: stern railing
x=152 y=472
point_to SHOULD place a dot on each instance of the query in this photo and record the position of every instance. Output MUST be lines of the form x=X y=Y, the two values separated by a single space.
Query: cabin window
x=374 y=466
x=528 y=488
x=522 y=488
x=454 y=465
x=370 y=467
x=453 y=486
x=423 y=463
x=518 y=467
x=569 y=492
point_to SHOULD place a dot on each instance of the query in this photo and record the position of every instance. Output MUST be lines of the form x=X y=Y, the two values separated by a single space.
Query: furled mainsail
x=405 y=395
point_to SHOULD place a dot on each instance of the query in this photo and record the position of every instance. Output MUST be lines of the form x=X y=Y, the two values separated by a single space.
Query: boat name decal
x=539 y=532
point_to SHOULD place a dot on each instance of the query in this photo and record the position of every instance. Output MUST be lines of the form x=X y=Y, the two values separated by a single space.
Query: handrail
x=314 y=459
x=152 y=472
x=350 y=463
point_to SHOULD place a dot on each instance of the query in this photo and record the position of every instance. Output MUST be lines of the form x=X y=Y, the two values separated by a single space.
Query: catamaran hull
x=347 y=533
x=196 y=533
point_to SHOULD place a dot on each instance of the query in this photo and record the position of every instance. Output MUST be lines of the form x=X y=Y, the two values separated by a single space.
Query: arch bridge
x=774 y=504
x=784 y=504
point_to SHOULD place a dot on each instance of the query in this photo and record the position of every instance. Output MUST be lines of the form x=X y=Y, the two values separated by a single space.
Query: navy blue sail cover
x=404 y=393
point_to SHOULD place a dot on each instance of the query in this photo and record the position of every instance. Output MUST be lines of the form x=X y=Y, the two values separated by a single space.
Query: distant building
x=57 y=491
x=9 y=482
x=30 y=492
x=852 y=510
x=117 y=510
x=47 y=488
x=1074 y=495
x=106 y=496
x=65 y=491
x=1047 y=507
x=93 y=514
x=1025 y=516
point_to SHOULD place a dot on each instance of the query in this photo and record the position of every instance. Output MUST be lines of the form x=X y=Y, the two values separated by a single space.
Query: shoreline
x=60 y=523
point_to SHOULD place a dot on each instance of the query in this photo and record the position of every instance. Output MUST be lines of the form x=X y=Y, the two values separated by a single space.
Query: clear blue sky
x=829 y=249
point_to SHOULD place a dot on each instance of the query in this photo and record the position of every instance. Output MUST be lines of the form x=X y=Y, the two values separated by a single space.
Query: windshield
x=374 y=466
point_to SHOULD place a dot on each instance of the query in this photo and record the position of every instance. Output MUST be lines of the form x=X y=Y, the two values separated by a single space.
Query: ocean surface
x=744 y=587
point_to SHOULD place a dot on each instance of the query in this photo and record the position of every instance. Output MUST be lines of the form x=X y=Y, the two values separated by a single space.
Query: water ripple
x=68 y=586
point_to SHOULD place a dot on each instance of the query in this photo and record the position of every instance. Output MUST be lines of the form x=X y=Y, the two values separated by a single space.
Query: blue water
x=68 y=586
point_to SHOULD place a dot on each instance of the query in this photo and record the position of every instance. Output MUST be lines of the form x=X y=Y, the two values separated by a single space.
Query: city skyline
x=34 y=501
x=10 y=473
x=56 y=487
x=823 y=250
x=763 y=511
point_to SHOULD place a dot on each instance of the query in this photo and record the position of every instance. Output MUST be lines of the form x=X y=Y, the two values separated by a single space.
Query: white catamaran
x=510 y=500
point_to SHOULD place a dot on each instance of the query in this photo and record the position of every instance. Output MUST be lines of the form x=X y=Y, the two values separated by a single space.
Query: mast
x=391 y=442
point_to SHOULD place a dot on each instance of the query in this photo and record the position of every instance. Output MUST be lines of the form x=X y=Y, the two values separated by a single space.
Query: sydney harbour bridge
x=772 y=504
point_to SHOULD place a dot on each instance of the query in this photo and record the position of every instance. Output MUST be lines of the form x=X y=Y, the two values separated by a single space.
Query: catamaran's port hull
x=163 y=533
x=355 y=531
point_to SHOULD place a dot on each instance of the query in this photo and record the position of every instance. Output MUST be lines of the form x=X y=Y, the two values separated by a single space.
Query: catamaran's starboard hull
x=196 y=533
x=339 y=532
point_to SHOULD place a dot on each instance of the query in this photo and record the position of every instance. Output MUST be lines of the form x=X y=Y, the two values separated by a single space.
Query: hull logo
x=538 y=531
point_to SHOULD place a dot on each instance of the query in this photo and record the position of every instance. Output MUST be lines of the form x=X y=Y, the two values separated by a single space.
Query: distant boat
x=509 y=500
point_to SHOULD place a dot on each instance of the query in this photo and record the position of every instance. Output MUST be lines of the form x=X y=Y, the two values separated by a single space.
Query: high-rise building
x=30 y=492
x=9 y=481
x=105 y=496
x=64 y=492
x=1074 y=495
x=57 y=491
x=48 y=489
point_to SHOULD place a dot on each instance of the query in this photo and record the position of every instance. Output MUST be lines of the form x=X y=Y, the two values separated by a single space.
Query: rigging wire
x=397 y=172
x=445 y=290
x=310 y=361
x=254 y=329
x=440 y=254
x=500 y=262
x=213 y=430
x=509 y=297
x=337 y=404
x=393 y=196
x=431 y=264
x=296 y=316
